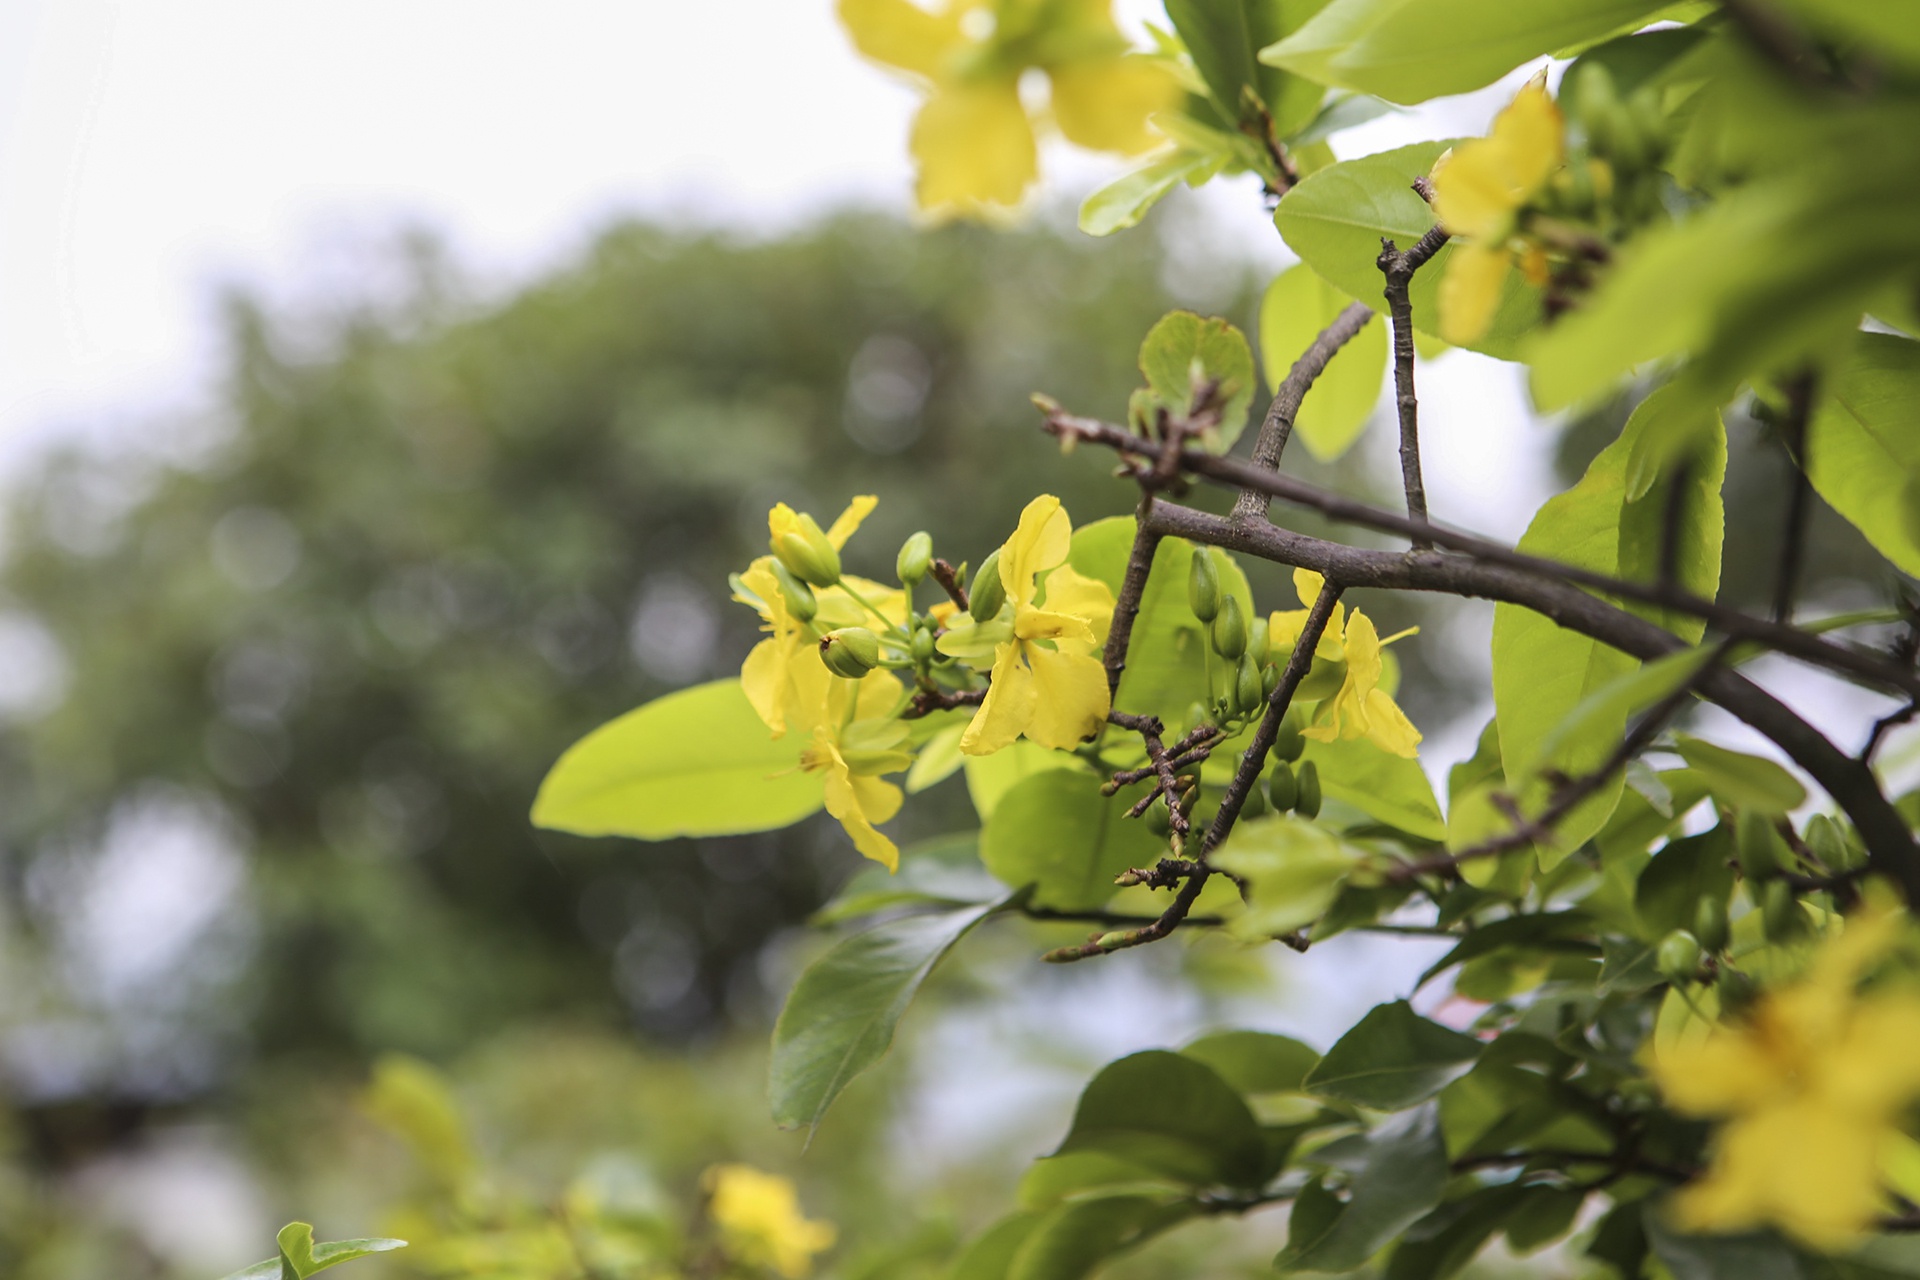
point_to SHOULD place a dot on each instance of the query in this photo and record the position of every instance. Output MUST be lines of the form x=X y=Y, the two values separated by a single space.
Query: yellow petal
x=1103 y=103
x=1030 y=623
x=1486 y=179
x=1727 y=1071
x=903 y=35
x=848 y=799
x=1008 y=707
x=849 y=520
x=974 y=148
x=1040 y=542
x=1388 y=727
x=1073 y=698
x=1072 y=592
x=1470 y=291
x=1363 y=654
x=1307 y=585
x=763 y=677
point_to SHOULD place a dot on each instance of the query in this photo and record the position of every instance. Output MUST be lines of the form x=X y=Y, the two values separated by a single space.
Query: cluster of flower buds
x=1241 y=642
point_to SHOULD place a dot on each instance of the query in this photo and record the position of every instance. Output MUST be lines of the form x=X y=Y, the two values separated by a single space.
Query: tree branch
x=1398 y=268
x=1793 y=535
x=1277 y=427
x=1127 y=607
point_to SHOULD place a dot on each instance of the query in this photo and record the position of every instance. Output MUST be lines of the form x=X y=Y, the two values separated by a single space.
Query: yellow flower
x=852 y=738
x=765 y=674
x=1811 y=1084
x=1358 y=707
x=972 y=140
x=1478 y=191
x=1046 y=682
x=759 y=1218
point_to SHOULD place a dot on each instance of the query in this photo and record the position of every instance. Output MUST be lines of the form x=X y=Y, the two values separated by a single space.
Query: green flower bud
x=922 y=646
x=916 y=553
x=797 y=594
x=1780 y=913
x=1290 y=744
x=807 y=554
x=1229 y=629
x=1197 y=715
x=1246 y=685
x=1758 y=847
x=1678 y=957
x=1256 y=802
x=1281 y=787
x=1269 y=680
x=989 y=593
x=1159 y=818
x=1257 y=639
x=850 y=651
x=1710 y=923
x=1830 y=844
x=1203 y=586
x=1598 y=108
x=1307 y=803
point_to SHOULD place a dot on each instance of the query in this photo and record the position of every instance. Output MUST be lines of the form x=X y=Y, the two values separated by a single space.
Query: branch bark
x=1276 y=429
x=1398 y=268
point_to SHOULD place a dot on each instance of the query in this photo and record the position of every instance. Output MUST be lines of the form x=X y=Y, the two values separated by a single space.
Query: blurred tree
x=315 y=665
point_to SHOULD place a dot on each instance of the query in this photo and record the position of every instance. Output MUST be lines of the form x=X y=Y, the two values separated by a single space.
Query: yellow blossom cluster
x=759 y=1220
x=1347 y=679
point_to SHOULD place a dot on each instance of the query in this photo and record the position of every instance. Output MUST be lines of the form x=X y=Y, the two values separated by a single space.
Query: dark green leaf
x=990 y=1256
x=1173 y=1115
x=1681 y=874
x=1543 y=930
x=1255 y=1061
x=1224 y=35
x=1392 y=1059
x=1448 y=1238
x=1404 y=1176
x=1056 y=832
x=841 y=1016
x=1072 y=1240
x=1746 y=1257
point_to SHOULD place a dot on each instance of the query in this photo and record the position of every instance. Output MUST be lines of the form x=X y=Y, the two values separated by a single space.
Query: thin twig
x=1239 y=474
x=1793 y=535
x=943 y=573
x=1398 y=268
x=1127 y=607
x=1149 y=728
x=1277 y=427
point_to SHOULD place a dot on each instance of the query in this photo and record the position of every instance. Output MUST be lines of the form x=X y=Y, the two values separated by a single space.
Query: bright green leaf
x=1223 y=35
x=1392 y=1059
x=1297 y=306
x=300 y=1257
x=841 y=1016
x=1056 y=832
x=694 y=763
x=938 y=760
x=1388 y=788
x=1072 y=1240
x=1182 y=341
x=941 y=873
x=1741 y=781
x=1255 y=1062
x=1124 y=201
x=991 y=777
x=1863 y=453
x=1292 y=868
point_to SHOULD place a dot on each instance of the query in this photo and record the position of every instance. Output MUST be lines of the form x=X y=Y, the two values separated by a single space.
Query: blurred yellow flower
x=1479 y=189
x=1811 y=1084
x=759 y=1218
x=972 y=140
x=1359 y=707
x=766 y=674
x=853 y=737
x=1046 y=682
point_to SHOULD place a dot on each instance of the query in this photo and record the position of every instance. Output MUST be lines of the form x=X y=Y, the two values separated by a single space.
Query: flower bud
x=916 y=554
x=1830 y=844
x=1678 y=957
x=1256 y=802
x=1203 y=586
x=1780 y=913
x=1281 y=787
x=1758 y=847
x=1307 y=803
x=797 y=595
x=1229 y=629
x=1269 y=679
x=1197 y=715
x=1246 y=685
x=1290 y=743
x=989 y=593
x=1710 y=923
x=922 y=645
x=850 y=651
x=1159 y=818
x=807 y=554
x=1257 y=639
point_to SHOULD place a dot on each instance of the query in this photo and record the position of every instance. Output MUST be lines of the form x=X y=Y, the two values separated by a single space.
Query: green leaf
x=1124 y=201
x=1168 y=659
x=938 y=760
x=415 y=1100
x=1178 y=343
x=989 y=778
x=991 y=1255
x=1448 y=1238
x=1745 y=1257
x=1297 y=306
x=1407 y=51
x=936 y=874
x=1056 y=832
x=1292 y=868
x=1255 y=1062
x=1404 y=1176
x=299 y=1257
x=1543 y=674
x=1671 y=887
x=694 y=763
x=1336 y=218
x=1540 y=931
x=841 y=1016
x=1072 y=1241
x=1051 y=1179
x=1739 y=780
x=1613 y=703
x=1888 y=30
x=1863 y=454
x=1392 y=1059
x=1388 y=788
x=1223 y=36
x=1173 y=1115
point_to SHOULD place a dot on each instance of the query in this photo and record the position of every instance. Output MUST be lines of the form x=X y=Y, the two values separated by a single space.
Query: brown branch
x=942 y=572
x=1239 y=474
x=1852 y=785
x=1127 y=607
x=1277 y=427
x=1149 y=728
x=1793 y=535
x=1101 y=944
x=927 y=701
x=1189 y=751
x=1398 y=268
